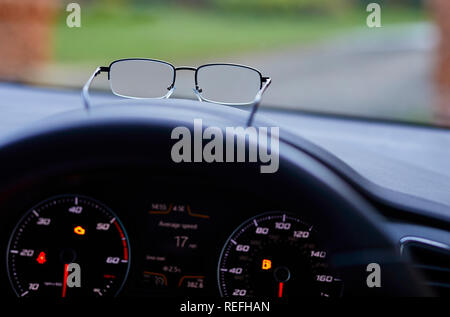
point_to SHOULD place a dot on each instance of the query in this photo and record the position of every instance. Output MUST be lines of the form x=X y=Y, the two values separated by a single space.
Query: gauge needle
x=65 y=280
x=280 y=289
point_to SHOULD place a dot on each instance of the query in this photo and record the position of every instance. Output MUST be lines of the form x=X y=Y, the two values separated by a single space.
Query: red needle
x=65 y=280
x=280 y=289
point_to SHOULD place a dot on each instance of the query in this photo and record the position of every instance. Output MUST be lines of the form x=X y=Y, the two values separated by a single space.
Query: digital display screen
x=175 y=247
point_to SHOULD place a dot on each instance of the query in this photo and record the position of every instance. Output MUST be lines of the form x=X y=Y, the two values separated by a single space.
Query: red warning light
x=109 y=276
x=41 y=258
x=266 y=264
x=79 y=230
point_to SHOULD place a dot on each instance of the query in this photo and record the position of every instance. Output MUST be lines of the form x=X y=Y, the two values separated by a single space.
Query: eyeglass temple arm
x=85 y=91
x=258 y=98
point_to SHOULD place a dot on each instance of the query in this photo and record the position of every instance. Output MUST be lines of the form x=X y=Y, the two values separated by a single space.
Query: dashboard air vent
x=432 y=259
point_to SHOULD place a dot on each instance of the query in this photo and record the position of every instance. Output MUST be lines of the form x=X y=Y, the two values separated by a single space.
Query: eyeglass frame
x=264 y=84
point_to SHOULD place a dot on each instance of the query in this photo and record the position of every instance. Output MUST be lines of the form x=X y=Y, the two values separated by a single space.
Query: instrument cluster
x=74 y=245
x=102 y=234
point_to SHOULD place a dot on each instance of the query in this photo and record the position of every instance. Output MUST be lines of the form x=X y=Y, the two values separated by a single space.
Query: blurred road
x=382 y=72
x=386 y=72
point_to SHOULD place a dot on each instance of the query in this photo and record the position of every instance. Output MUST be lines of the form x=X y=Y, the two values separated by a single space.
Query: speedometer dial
x=68 y=246
x=275 y=255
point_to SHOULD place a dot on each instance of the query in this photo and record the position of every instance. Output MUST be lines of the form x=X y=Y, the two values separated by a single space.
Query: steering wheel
x=137 y=134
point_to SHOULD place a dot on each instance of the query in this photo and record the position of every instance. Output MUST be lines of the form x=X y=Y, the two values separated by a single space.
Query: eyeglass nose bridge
x=194 y=69
x=185 y=68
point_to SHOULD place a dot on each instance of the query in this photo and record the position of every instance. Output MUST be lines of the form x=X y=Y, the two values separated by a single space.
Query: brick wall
x=441 y=12
x=25 y=36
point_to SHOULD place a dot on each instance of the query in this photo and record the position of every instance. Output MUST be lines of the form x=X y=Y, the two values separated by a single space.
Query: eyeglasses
x=221 y=83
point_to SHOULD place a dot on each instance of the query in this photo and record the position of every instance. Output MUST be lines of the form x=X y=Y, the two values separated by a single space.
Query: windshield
x=377 y=59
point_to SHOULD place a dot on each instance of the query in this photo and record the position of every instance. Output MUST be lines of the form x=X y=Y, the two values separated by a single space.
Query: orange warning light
x=79 y=230
x=41 y=258
x=266 y=264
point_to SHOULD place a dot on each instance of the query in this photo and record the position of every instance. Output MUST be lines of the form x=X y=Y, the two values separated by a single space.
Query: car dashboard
x=151 y=238
x=96 y=189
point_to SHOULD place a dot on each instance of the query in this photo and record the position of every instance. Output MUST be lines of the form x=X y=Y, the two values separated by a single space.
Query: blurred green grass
x=177 y=33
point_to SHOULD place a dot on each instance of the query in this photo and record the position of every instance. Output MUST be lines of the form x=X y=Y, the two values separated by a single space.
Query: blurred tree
x=197 y=3
x=193 y=3
x=412 y=3
x=285 y=6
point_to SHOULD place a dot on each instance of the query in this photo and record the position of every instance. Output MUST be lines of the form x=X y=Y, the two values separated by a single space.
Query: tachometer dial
x=275 y=255
x=68 y=246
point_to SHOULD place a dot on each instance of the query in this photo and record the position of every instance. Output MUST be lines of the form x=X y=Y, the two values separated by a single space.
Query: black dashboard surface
x=133 y=136
x=411 y=161
x=384 y=162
